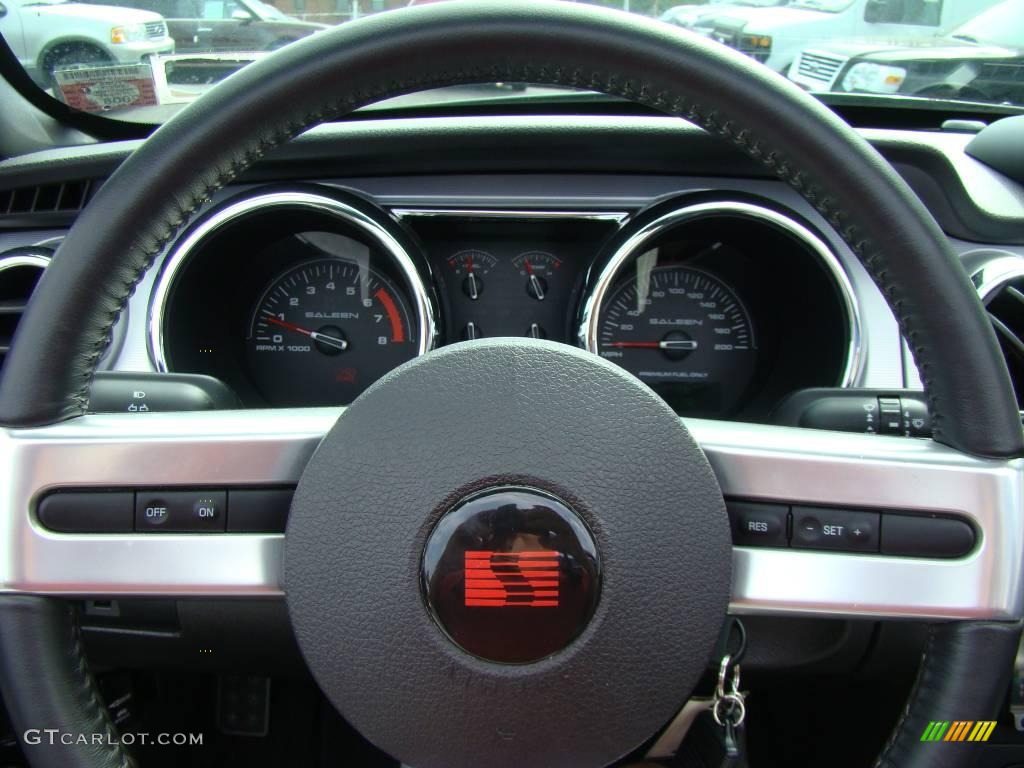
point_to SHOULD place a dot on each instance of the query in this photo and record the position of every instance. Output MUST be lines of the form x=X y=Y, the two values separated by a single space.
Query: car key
x=729 y=711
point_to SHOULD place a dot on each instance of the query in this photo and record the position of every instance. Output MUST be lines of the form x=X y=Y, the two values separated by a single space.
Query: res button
x=755 y=524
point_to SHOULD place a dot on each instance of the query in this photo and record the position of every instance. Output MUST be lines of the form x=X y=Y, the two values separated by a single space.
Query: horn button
x=511 y=575
x=507 y=552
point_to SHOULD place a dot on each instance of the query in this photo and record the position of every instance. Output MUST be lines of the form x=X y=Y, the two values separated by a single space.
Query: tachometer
x=326 y=329
x=682 y=331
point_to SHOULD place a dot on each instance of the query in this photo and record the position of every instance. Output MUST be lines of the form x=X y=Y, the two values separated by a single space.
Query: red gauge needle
x=686 y=344
x=331 y=341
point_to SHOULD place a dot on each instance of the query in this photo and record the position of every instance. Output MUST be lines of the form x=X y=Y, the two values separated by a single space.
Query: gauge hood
x=105 y=13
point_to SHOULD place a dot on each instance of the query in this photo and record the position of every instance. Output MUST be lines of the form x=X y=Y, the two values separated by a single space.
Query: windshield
x=266 y=11
x=828 y=6
x=1001 y=25
x=143 y=60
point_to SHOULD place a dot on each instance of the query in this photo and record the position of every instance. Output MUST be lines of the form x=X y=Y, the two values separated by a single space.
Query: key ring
x=736 y=711
x=723 y=673
x=735 y=707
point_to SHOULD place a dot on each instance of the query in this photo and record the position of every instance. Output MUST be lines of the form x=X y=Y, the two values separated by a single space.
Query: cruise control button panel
x=180 y=511
x=822 y=528
x=890 y=533
x=165 y=510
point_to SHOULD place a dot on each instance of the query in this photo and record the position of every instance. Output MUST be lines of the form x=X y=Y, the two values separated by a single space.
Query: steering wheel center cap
x=511 y=575
x=518 y=534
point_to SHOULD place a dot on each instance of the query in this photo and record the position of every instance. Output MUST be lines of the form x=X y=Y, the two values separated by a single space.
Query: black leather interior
x=209 y=143
x=47 y=684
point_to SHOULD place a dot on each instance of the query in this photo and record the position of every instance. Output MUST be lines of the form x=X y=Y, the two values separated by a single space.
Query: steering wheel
x=442 y=455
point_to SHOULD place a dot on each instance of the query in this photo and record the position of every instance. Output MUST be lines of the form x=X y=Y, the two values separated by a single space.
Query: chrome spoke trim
x=246 y=448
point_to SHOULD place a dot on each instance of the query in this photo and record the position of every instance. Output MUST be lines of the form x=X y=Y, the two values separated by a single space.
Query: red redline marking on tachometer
x=397 y=331
x=499 y=579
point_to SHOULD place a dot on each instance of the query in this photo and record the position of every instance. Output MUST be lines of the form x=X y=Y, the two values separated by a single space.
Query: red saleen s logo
x=505 y=579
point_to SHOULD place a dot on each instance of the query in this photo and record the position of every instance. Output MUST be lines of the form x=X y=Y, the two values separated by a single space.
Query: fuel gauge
x=537 y=268
x=472 y=265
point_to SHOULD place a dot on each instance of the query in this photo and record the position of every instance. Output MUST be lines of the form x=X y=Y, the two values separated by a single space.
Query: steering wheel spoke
x=236 y=449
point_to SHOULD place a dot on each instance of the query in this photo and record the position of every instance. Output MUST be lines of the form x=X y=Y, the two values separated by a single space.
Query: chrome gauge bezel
x=593 y=301
x=424 y=306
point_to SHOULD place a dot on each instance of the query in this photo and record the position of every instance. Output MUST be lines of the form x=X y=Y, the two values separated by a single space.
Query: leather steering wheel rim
x=136 y=213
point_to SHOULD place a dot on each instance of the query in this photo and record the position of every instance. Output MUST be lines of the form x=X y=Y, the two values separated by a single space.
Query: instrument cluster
x=306 y=295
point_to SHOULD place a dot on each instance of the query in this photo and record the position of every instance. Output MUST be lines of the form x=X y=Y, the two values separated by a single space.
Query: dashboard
x=312 y=277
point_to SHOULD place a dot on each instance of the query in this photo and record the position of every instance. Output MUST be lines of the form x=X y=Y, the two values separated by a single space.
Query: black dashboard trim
x=551 y=144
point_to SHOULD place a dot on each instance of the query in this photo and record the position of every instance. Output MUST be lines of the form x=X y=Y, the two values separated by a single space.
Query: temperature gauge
x=537 y=269
x=472 y=266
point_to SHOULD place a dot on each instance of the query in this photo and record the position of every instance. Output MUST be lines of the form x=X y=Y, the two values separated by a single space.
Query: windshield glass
x=1001 y=25
x=828 y=6
x=267 y=11
x=142 y=60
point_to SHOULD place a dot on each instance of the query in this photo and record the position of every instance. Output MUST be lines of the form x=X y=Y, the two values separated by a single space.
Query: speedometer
x=326 y=329
x=682 y=331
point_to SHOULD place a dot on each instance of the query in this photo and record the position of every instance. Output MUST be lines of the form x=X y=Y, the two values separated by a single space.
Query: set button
x=821 y=528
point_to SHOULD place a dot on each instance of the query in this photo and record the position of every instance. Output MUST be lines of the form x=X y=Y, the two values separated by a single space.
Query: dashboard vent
x=20 y=270
x=1004 y=303
x=66 y=197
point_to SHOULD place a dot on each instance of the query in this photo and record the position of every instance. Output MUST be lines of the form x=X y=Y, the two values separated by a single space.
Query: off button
x=180 y=511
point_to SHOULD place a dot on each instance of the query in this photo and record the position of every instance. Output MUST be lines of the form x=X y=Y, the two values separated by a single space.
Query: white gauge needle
x=538 y=289
x=331 y=341
x=677 y=344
